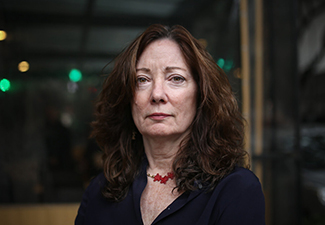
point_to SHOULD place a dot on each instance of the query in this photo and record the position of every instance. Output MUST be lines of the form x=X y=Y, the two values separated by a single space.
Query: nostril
x=158 y=100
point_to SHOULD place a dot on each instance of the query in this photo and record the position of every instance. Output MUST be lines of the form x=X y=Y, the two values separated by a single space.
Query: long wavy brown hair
x=213 y=147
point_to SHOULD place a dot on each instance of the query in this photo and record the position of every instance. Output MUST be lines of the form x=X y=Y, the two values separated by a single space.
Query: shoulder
x=92 y=192
x=241 y=176
x=240 y=185
x=94 y=189
x=96 y=183
x=240 y=182
x=241 y=198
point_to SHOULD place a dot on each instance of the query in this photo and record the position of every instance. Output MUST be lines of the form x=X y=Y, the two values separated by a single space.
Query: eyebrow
x=168 y=68
x=143 y=69
x=174 y=68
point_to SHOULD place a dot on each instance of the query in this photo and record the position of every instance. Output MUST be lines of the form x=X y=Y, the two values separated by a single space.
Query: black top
x=238 y=199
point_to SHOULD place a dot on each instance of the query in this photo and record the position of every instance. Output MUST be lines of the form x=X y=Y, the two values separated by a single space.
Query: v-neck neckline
x=138 y=187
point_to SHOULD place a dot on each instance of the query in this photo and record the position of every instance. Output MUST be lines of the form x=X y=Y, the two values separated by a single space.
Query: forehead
x=162 y=50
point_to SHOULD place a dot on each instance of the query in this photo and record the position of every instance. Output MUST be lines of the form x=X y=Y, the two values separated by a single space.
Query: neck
x=160 y=154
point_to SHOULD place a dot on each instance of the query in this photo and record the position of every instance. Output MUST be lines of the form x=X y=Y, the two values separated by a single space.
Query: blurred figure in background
x=57 y=141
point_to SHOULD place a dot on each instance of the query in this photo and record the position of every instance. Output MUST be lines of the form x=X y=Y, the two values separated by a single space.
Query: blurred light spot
x=228 y=65
x=72 y=87
x=23 y=66
x=66 y=119
x=3 y=35
x=75 y=75
x=4 y=85
x=321 y=194
x=221 y=62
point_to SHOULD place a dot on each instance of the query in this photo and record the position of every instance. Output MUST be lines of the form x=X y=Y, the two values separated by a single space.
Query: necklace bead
x=161 y=179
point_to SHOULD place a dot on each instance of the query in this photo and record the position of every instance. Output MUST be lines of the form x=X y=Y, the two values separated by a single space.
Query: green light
x=4 y=85
x=75 y=75
x=228 y=65
x=221 y=62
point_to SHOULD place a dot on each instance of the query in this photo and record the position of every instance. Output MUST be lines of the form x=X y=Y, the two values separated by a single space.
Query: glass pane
x=45 y=152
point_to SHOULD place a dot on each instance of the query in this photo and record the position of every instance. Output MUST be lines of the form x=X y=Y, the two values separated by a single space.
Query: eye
x=142 y=80
x=178 y=79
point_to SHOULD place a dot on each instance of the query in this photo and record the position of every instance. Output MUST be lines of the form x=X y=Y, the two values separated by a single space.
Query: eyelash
x=176 y=78
x=141 y=79
x=180 y=79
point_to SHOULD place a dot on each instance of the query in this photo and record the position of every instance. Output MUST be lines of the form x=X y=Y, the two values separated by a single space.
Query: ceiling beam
x=188 y=10
x=30 y=19
x=67 y=55
x=85 y=31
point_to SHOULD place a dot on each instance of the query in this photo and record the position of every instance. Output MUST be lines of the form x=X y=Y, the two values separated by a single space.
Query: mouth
x=158 y=116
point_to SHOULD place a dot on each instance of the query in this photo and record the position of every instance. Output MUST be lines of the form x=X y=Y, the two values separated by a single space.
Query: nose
x=158 y=94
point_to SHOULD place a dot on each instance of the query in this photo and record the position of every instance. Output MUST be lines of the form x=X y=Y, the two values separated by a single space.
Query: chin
x=164 y=134
x=157 y=134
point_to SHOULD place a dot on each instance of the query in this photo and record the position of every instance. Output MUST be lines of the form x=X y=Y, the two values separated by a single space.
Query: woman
x=172 y=137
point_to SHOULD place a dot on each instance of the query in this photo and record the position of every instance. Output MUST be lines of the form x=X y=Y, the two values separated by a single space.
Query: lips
x=158 y=116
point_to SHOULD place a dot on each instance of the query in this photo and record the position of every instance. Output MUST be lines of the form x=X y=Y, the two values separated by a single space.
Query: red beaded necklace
x=162 y=180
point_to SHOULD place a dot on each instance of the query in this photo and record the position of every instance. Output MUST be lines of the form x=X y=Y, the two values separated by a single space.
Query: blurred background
x=52 y=59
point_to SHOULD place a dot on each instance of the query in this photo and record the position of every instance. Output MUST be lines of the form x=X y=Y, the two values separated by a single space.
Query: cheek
x=137 y=99
x=191 y=106
x=135 y=103
x=140 y=101
x=137 y=110
x=190 y=100
x=186 y=106
x=134 y=109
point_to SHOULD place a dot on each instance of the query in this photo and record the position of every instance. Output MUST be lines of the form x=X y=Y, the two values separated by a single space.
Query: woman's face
x=165 y=98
